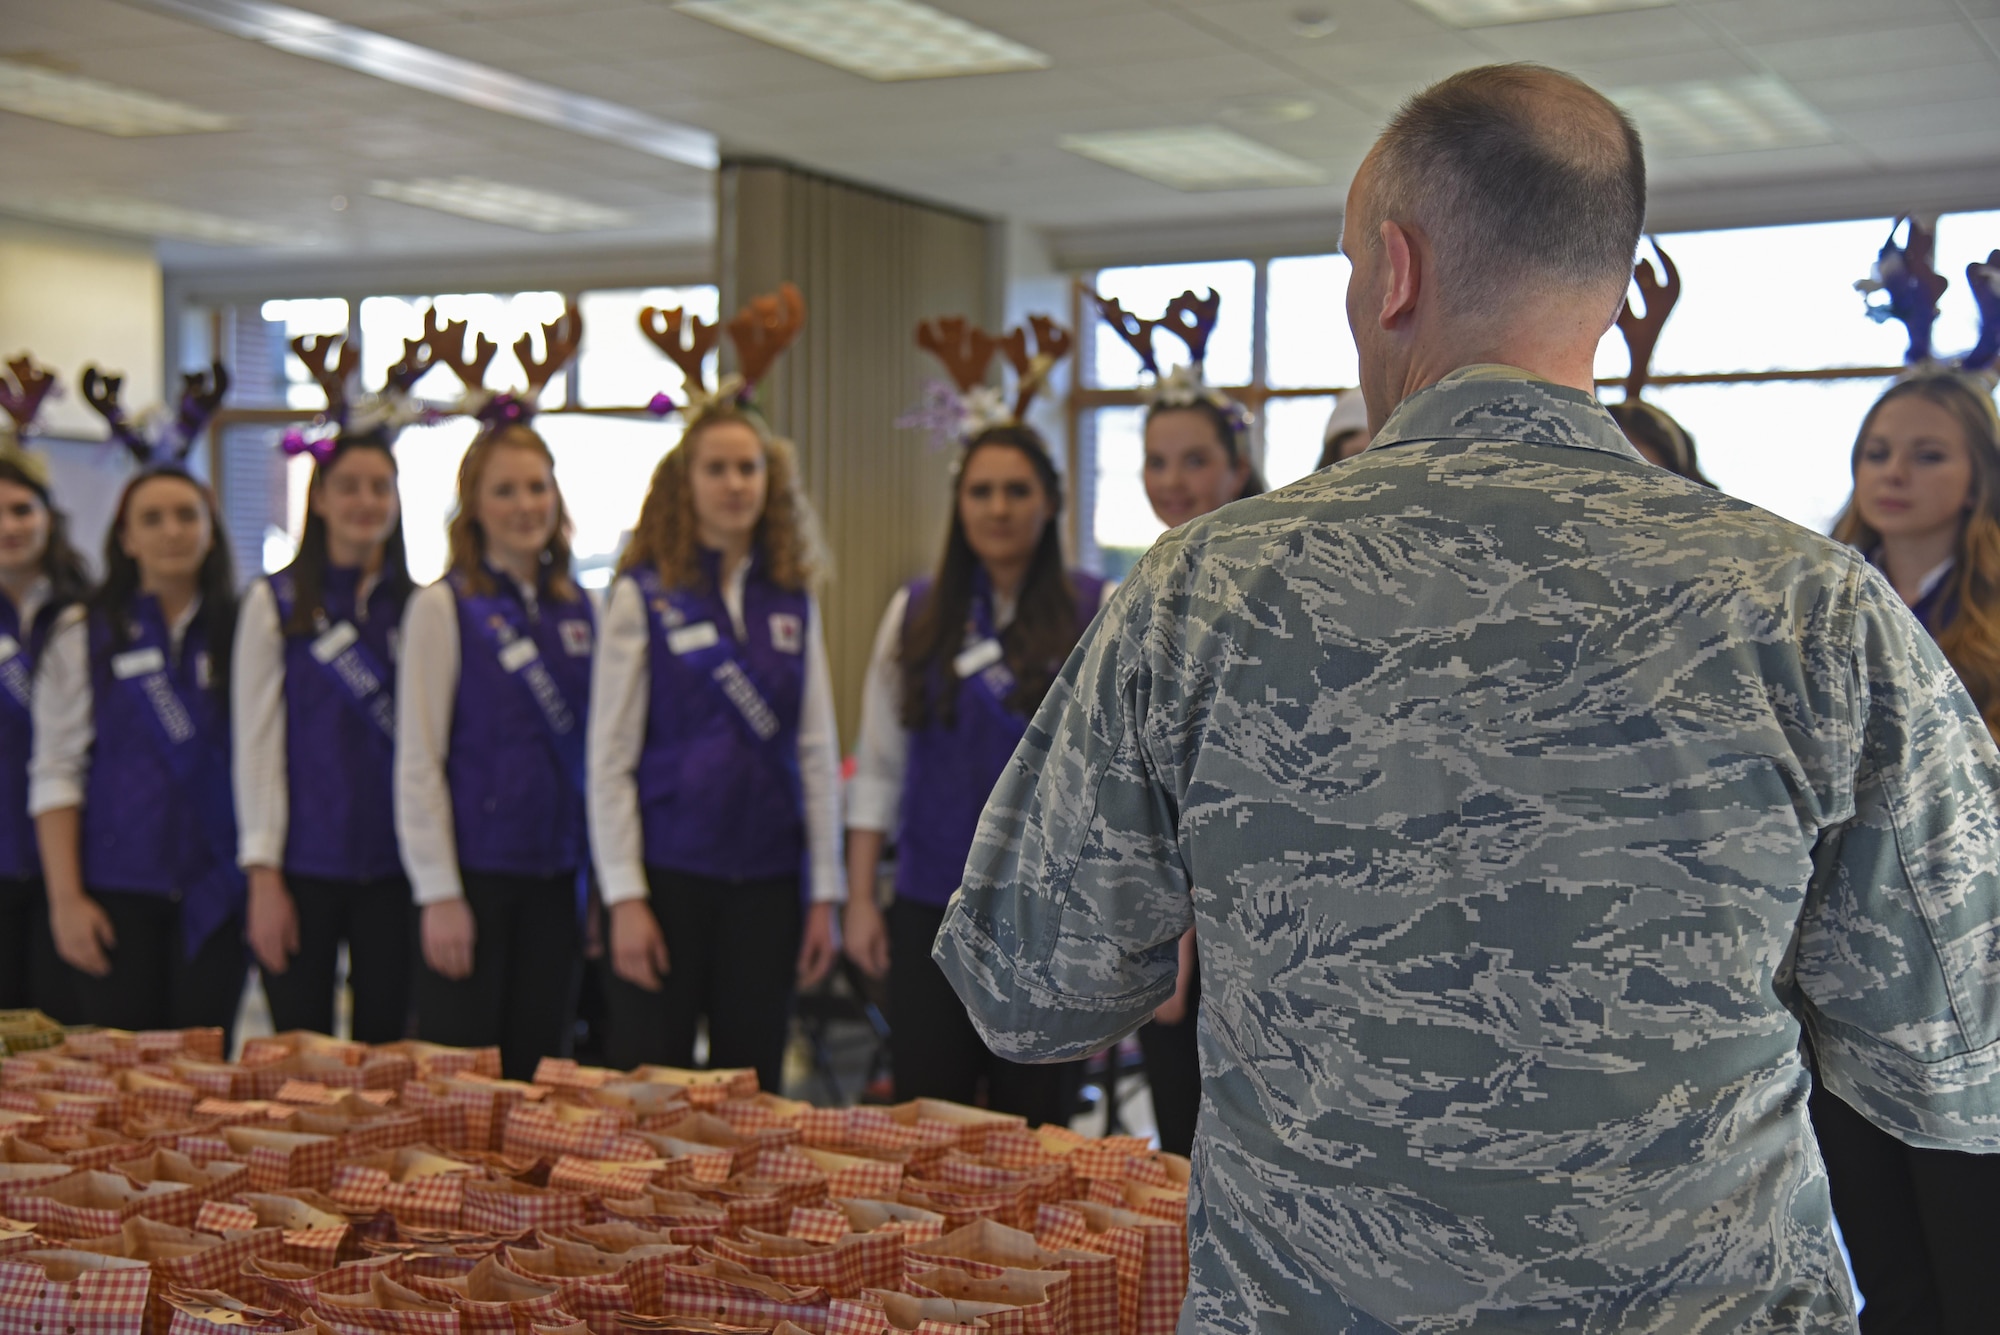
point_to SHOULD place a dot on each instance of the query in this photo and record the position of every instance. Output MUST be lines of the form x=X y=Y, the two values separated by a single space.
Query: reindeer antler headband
x=1192 y=320
x=960 y=410
x=1642 y=332
x=1906 y=276
x=22 y=390
x=761 y=332
x=385 y=412
x=151 y=439
x=446 y=341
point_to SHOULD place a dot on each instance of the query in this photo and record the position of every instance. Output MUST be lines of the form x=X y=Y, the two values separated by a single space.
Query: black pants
x=31 y=973
x=733 y=955
x=521 y=995
x=153 y=983
x=1173 y=1073
x=378 y=923
x=938 y=1054
x=1920 y=1225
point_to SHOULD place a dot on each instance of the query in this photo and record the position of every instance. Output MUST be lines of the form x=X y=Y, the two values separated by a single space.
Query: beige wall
x=73 y=301
x=870 y=267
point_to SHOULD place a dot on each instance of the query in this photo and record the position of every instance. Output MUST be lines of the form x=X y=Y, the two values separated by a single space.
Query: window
x=593 y=414
x=1769 y=361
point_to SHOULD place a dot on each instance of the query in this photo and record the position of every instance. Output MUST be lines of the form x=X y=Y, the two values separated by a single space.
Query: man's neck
x=1551 y=341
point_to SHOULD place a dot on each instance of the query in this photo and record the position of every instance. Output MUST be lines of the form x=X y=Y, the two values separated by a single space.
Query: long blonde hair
x=1970 y=639
x=667 y=534
x=466 y=544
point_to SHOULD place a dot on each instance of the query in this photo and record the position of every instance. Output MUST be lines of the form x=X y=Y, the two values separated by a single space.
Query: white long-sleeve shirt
x=64 y=710
x=257 y=712
x=426 y=695
x=620 y=691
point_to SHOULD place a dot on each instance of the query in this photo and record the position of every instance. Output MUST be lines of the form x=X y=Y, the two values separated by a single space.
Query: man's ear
x=1404 y=277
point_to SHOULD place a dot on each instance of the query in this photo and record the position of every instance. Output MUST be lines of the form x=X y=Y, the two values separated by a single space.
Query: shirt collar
x=1489 y=401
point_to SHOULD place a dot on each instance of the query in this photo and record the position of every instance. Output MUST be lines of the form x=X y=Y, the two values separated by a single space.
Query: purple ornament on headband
x=321 y=448
x=661 y=405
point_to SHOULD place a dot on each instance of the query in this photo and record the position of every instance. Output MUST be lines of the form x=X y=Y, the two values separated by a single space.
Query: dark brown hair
x=62 y=564
x=1226 y=435
x=1044 y=628
x=1651 y=428
x=308 y=568
x=1970 y=638
x=1522 y=177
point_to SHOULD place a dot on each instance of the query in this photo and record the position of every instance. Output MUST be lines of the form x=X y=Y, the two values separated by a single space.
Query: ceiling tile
x=1828 y=55
x=1598 y=36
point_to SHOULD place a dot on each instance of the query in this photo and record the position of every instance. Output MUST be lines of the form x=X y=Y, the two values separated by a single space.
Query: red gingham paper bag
x=488 y=1104
x=703 y=1089
x=213 y=1080
x=513 y=1208
x=855 y=1175
x=970 y=1126
x=1033 y=1188
x=91 y=1204
x=885 y=1312
x=1151 y=1255
x=276 y=1159
x=648 y=1105
x=684 y=1218
x=915 y=1224
x=183 y=1258
x=62 y=1110
x=1163 y=1203
x=311 y=1094
x=960 y=1208
x=755 y=1202
x=493 y=1300
x=445 y=1121
x=843 y=1268
x=361 y=1127
x=1041 y=1298
x=313 y=1234
x=19 y=1177
x=435 y=1061
x=1107 y=1158
x=215 y=1113
x=387 y=1308
x=78 y=1293
x=274 y=1048
x=155 y=1095
x=555 y=1128
x=14 y=1124
x=816 y=1223
x=295 y=1288
x=225 y=1217
x=620 y=1238
x=213 y=1312
x=92 y=1147
x=698 y=1131
x=984 y=1247
x=17 y=1236
x=595 y=1286
x=218 y=1179
x=562 y=1073
x=764 y=1113
x=597 y=1177
x=725 y=1292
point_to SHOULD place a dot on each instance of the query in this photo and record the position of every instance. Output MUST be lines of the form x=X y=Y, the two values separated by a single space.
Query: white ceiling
x=1909 y=88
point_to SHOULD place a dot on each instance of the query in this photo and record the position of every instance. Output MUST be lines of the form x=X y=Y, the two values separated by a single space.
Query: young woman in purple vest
x=315 y=724
x=491 y=697
x=714 y=759
x=960 y=664
x=41 y=575
x=130 y=778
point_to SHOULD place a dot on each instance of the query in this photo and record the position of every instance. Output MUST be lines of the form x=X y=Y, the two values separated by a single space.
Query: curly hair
x=466 y=544
x=667 y=536
x=1970 y=637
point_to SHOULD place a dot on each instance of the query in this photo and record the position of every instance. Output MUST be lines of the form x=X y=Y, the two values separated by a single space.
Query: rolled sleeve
x=1064 y=935
x=1898 y=956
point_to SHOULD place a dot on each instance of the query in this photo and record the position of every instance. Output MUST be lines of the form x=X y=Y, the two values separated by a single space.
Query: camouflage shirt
x=1527 y=801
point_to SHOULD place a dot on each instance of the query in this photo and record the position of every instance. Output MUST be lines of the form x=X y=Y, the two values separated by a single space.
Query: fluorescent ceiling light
x=68 y=99
x=1681 y=120
x=1195 y=157
x=1490 y=13
x=144 y=217
x=498 y=202
x=318 y=38
x=877 y=39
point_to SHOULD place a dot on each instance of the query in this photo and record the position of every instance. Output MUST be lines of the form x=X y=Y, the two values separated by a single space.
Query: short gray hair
x=1521 y=176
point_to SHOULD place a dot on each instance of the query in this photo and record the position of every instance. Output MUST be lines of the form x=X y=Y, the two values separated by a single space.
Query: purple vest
x=952 y=770
x=718 y=777
x=19 y=858
x=338 y=757
x=157 y=814
x=517 y=728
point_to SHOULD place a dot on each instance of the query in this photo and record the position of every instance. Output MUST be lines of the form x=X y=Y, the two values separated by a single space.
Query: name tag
x=788 y=633
x=335 y=642
x=977 y=659
x=687 y=639
x=137 y=663
x=9 y=646
x=518 y=654
x=575 y=638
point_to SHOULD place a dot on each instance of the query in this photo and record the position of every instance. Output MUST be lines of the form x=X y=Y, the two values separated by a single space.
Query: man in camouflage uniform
x=1526 y=799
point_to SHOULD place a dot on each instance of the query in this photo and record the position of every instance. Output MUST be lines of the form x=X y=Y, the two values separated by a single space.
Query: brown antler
x=315 y=351
x=1137 y=332
x=31 y=384
x=1642 y=332
x=561 y=337
x=965 y=349
x=100 y=391
x=418 y=357
x=765 y=328
x=1193 y=319
x=1052 y=344
x=447 y=344
x=664 y=329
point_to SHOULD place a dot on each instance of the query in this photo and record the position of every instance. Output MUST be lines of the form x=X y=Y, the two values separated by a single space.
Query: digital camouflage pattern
x=1526 y=799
